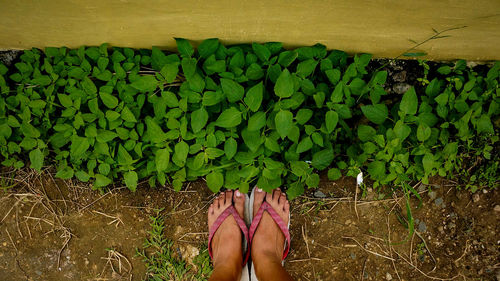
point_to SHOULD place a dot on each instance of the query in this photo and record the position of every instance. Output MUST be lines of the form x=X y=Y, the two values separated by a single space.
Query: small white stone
x=388 y=276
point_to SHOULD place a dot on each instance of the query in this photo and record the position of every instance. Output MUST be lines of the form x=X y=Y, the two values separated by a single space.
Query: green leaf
x=230 y=147
x=303 y=115
x=284 y=85
x=181 y=151
x=199 y=119
x=229 y=118
x=334 y=174
x=294 y=190
x=253 y=98
x=261 y=51
x=108 y=100
x=184 y=47
x=376 y=113
x=423 y=132
x=284 y=122
x=130 y=178
x=484 y=125
x=306 y=68
x=409 y=103
x=366 y=133
x=213 y=153
x=251 y=139
x=257 y=121
x=65 y=173
x=127 y=115
x=322 y=159
x=78 y=147
x=376 y=169
x=287 y=57
x=101 y=181
x=199 y=161
x=299 y=168
x=208 y=47
x=36 y=159
x=145 y=84
x=215 y=180
x=331 y=120
x=428 y=163
x=162 y=159
x=304 y=145
x=170 y=71
x=312 y=180
x=233 y=91
x=338 y=93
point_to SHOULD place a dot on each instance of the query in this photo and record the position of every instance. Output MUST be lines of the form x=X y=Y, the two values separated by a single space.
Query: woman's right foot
x=268 y=241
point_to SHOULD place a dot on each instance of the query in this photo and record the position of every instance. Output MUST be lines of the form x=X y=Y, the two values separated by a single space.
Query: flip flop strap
x=277 y=219
x=241 y=224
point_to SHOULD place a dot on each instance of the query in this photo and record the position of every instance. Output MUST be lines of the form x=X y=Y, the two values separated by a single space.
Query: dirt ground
x=55 y=230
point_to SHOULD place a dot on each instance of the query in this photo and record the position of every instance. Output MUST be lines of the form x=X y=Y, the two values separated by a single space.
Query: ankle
x=229 y=269
x=265 y=261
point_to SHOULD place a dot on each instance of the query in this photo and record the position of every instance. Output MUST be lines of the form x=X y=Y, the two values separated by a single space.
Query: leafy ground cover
x=242 y=115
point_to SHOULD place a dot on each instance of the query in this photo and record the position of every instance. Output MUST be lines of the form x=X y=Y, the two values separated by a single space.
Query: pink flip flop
x=241 y=223
x=274 y=215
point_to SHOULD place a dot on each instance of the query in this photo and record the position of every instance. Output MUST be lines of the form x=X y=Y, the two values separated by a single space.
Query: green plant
x=161 y=261
x=239 y=115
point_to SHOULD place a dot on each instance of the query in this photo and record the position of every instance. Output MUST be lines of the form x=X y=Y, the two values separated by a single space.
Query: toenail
x=259 y=190
x=238 y=193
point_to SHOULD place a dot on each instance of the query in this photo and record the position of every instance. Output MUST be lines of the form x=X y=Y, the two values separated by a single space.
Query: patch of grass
x=162 y=261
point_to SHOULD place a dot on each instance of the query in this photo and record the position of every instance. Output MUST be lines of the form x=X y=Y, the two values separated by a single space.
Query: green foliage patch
x=242 y=115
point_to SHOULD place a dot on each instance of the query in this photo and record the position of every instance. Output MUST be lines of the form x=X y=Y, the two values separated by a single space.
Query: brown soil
x=54 y=230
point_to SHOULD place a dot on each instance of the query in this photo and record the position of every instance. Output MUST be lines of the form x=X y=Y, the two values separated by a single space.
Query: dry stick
x=366 y=250
x=94 y=202
x=356 y=201
x=192 y=233
x=390 y=246
x=428 y=250
x=116 y=219
x=11 y=241
x=465 y=251
x=17 y=222
x=304 y=236
x=363 y=271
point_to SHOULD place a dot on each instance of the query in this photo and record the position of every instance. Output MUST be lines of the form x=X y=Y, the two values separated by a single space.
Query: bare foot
x=268 y=241
x=226 y=243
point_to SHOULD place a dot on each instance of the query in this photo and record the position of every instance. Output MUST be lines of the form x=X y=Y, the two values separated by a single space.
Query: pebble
x=401 y=88
x=319 y=194
x=400 y=76
x=388 y=276
x=439 y=202
x=475 y=197
x=432 y=195
x=422 y=227
x=497 y=208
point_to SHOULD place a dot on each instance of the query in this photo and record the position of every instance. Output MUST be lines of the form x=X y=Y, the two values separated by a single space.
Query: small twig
x=366 y=250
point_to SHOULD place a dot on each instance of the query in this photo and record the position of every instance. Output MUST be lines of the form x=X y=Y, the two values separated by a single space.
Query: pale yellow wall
x=379 y=27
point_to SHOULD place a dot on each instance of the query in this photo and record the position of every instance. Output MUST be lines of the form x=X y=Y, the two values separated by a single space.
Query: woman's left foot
x=226 y=242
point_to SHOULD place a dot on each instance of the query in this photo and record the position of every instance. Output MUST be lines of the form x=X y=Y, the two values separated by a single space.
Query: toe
x=269 y=197
x=259 y=196
x=286 y=209
x=282 y=199
x=239 y=202
x=276 y=195
x=228 y=198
